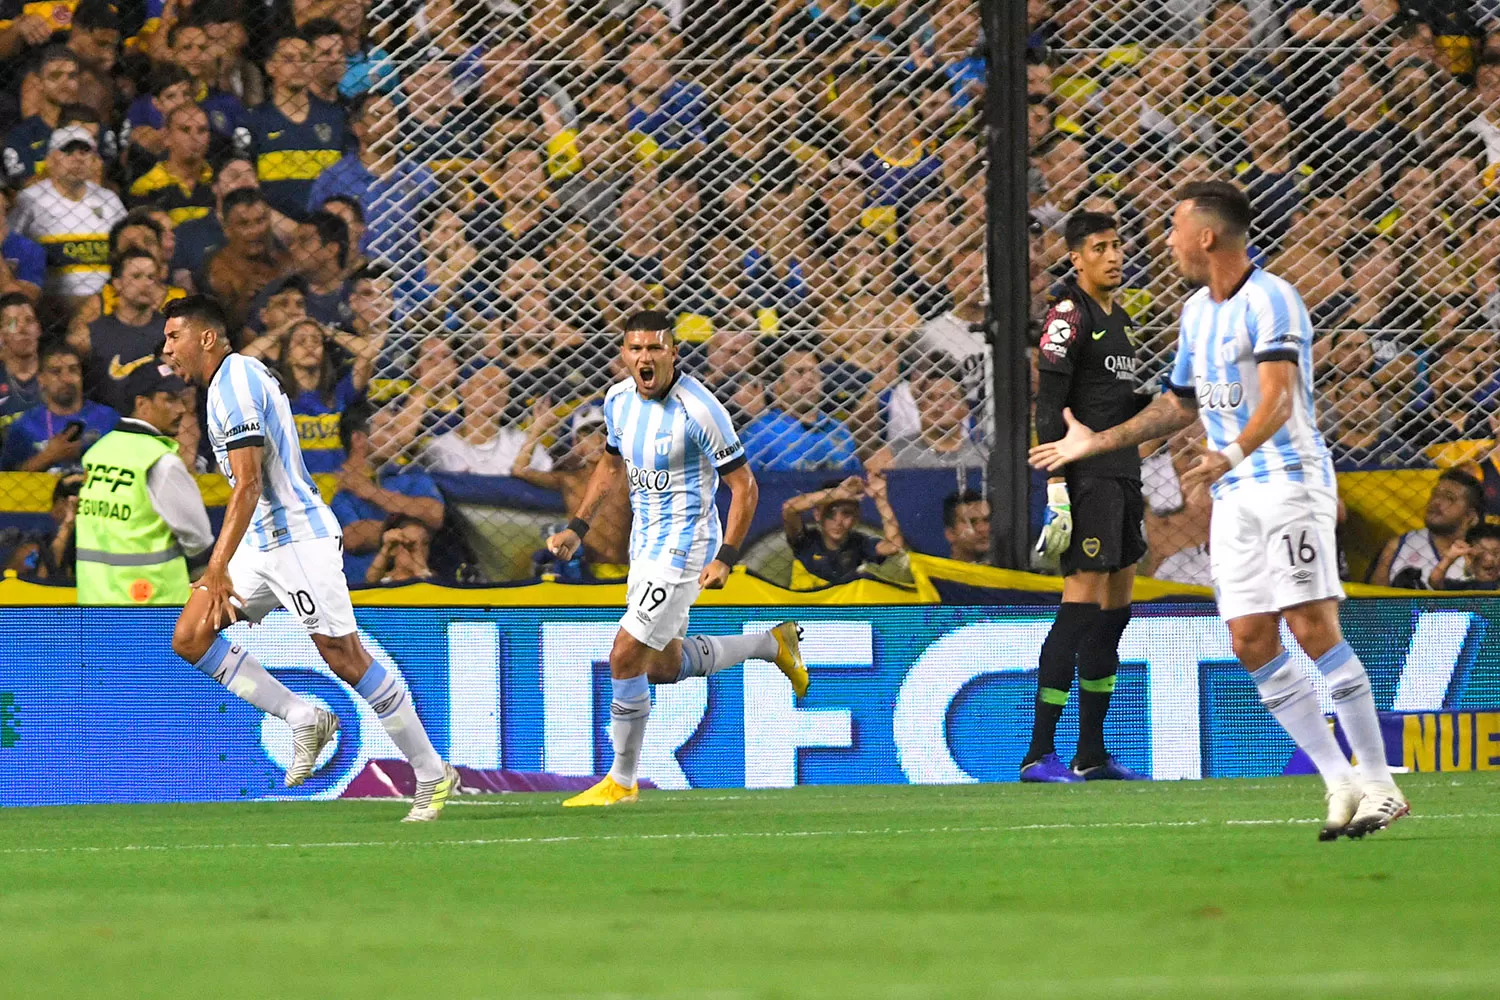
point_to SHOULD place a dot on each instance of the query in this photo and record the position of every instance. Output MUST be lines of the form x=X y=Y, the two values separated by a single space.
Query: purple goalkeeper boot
x=1110 y=770
x=1049 y=770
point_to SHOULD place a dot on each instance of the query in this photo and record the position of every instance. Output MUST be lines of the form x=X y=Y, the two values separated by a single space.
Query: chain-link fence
x=799 y=190
x=432 y=218
x=1365 y=134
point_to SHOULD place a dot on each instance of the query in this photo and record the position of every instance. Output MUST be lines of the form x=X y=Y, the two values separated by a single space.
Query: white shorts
x=306 y=578
x=1272 y=546
x=657 y=604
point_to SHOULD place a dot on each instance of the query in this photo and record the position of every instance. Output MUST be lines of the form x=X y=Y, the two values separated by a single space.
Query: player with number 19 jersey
x=675 y=448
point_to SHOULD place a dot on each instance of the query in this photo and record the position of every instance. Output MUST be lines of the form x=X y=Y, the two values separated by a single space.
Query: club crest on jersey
x=664 y=445
x=1090 y=547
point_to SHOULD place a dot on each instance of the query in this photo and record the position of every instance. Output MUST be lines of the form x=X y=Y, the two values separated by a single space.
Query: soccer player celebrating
x=1244 y=367
x=671 y=440
x=1094 y=509
x=280 y=546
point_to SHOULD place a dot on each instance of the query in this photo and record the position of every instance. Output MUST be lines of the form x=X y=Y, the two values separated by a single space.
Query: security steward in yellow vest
x=141 y=518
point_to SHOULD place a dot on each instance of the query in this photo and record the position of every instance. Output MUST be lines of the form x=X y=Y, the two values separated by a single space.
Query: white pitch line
x=692 y=835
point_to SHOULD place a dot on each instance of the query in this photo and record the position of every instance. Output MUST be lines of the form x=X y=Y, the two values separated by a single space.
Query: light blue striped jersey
x=673 y=448
x=247 y=407
x=1218 y=348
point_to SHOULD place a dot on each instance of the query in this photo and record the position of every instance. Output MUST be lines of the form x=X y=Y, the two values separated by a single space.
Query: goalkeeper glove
x=1057 y=528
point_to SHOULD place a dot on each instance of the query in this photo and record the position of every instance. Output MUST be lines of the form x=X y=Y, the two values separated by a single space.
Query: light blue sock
x=706 y=655
x=628 y=711
x=1354 y=703
x=234 y=667
x=387 y=693
x=1288 y=695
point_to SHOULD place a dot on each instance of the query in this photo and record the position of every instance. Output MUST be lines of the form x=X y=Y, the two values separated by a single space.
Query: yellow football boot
x=789 y=655
x=607 y=792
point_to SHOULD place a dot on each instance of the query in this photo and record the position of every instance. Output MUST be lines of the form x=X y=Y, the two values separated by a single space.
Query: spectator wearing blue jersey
x=390 y=189
x=54 y=434
x=831 y=548
x=369 y=495
x=951 y=45
x=293 y=137
x=667 y=116
x=794 y=433
x=23 y=262
x=193 y=50
x=899 y=169
x=20 y=364
x=318 y=392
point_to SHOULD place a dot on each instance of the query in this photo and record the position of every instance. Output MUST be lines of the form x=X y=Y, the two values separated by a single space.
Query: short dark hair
x=955 y=500
x=134 y=218
x=164 y=75
x=1472 y=487
x=354 y=420
x=291 y=283
x=191 y=21
x=774 y=350
x=55 y=53
x=1482 y=531
x=242 y=197
x=331 y=229
x=16 y=299
x=1224 y=201
x=320 y=27
x=118 y=262
x=55 y=348
x=200 y=308
x=82 y=114
x=650 y=319
x=1081 y=225
x=93 y=14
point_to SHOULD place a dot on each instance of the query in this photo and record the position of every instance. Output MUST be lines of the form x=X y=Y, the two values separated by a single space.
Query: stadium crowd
x=431 y=217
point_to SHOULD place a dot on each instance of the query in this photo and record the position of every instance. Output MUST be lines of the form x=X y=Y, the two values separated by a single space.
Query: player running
x=1244 y=367
x=1094 y=509
x=281 y=547
x=671 y=440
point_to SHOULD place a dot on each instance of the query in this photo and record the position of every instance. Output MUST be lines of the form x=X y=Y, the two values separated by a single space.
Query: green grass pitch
x=1193 y=889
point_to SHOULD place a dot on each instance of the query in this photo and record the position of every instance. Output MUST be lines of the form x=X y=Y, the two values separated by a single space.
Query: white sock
x=628 y=712
x=386 y=691
x=706 y=655
x=234 y=667
x=1355 y=706
x=1288 y=695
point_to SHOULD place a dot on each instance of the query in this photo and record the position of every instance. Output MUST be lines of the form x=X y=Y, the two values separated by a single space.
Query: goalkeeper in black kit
x=1094 y=510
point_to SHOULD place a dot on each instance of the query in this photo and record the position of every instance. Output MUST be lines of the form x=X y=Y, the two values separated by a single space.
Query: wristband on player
x=579 y=527
x=728 y=554
x=1234 y=453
